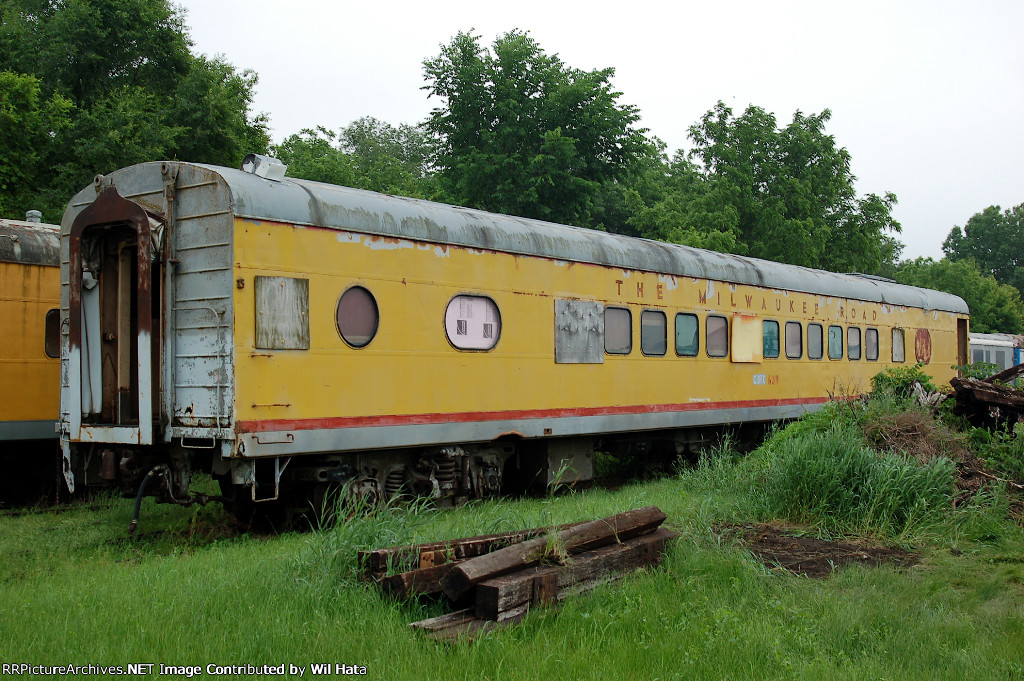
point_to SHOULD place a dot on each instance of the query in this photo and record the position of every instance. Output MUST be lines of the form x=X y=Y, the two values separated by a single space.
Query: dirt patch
x=778 y=546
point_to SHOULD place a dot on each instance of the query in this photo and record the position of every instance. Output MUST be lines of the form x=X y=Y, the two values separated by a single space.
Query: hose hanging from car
x=153 y=472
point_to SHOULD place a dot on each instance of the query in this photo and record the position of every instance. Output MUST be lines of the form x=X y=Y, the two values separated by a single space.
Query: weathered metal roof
x=30 y=243
x=1010 y=340
x=334 y=207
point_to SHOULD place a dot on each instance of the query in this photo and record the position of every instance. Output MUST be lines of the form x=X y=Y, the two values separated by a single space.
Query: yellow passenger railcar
x=290 y=335
x=29 y=355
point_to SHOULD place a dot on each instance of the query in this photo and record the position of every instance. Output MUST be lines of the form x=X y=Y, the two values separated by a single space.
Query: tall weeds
x=831 y=479
x=359 y=524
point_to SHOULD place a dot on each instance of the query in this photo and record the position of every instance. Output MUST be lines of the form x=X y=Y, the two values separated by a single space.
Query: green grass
x=75 y=589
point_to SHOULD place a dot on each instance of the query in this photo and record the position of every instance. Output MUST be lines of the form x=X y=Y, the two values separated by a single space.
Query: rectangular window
x=815 y=341
x=653 y=332
x=898 y=354
x=51 y=335
x=978 y=355
x=794 y=340
x=282 y=313
x=618 y=331
x=770 y=335
x=687 y=335
x=853 y=342
x=871 y=345
x=717 y=336
x=835 y=342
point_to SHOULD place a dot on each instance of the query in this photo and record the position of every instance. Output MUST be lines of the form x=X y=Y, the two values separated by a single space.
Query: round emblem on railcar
x=923 y=346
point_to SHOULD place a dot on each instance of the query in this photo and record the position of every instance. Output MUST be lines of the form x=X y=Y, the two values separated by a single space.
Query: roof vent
x=33 y=216
x=264 y=166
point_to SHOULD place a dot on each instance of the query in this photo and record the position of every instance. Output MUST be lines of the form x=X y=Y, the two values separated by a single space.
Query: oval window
x=472 y=323
x=357 y=317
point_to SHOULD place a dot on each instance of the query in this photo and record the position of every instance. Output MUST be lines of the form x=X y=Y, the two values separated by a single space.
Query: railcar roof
x=344 y=208
x=1003 y=339
x=29 y=243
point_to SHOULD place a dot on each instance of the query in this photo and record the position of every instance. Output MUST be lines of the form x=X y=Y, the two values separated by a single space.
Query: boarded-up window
x=770 y=334
x=898 y=348
x=472 y=323
x=357 y=316
x=815 y=342
x=618 y=331
x=853 y=342
x=871 y=345
x=282 y=313
x=835 y=342
x=51 y=338
x=579 y=332
x=794 y=340
x=747 y=345
x=653 y=332
x=717 y=329
x=687 y=335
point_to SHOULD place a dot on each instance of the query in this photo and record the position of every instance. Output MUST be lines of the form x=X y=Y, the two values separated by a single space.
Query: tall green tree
x=29 y=125
x=135 y=92
x=387 y=158
x=366 y=154
x=312 y=155
x=995 y=241
x=995 y=307
x=519 y=132
x=785 y=193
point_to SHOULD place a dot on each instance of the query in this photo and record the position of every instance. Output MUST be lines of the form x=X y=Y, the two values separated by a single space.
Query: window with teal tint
x=687 y=335
x=770 y=334
x=835 y=342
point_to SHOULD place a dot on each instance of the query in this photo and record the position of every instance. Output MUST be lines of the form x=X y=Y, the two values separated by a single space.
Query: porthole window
x=472 y=323
x=794 y=340
x=687 y=336
x=653 y=332
x=51 y=338
x=770 y=336
x=871 y=345
x=815 y=341
x=835 y=342
x=853 y=342
x=357 y=317
x=718 y=336
x=618 y=331
x=898 y=351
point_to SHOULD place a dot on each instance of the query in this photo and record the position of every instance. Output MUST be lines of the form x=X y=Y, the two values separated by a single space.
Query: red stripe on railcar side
x=329 y=423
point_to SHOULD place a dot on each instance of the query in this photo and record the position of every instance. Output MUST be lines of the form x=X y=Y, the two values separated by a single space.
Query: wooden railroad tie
x=494 y=580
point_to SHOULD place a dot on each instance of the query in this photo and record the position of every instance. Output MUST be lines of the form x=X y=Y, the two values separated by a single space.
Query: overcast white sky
x=927 y=95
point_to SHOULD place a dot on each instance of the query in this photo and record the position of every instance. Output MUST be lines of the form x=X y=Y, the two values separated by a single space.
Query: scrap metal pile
x=494 y=580
x=994 y=398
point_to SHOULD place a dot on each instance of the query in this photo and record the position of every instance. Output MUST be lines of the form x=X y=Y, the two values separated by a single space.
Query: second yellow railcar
x=29 y=357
